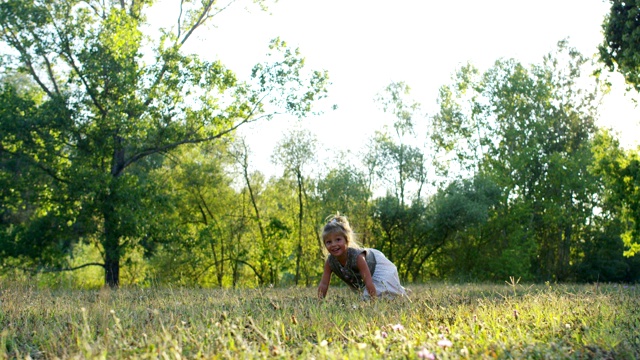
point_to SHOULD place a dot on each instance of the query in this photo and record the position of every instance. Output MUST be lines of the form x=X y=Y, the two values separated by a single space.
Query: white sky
x=365 y=45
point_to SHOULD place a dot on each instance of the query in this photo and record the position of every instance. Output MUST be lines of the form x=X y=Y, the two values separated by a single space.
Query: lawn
x=441 y=321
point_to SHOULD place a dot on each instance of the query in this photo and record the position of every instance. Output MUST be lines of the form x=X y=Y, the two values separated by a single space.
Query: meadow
x=437 y=321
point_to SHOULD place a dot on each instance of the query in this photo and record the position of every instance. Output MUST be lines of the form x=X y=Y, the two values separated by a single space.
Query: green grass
x=479 y=321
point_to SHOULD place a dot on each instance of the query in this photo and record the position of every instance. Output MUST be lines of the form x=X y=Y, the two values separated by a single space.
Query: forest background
x=120 y=162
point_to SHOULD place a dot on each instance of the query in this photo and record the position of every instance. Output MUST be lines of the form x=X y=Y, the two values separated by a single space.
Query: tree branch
x=180 y=19
x=164 y=65
x=46 y=59
x=150 y=151
x=13 y=40
x=48 y=171
x=51 y=270
x=74 y=268
x=67 y=53
x=201 y=19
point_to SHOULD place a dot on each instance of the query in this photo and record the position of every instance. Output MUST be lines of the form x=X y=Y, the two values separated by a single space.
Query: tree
x=535 y=125
x=460 y=128
x=620 y=50
x=263 y=202
x=406 y=162
x=29 y=190
x=392 y=160
x=544 y=123
x=105 y=110
x=240 y=154
x=279 y=203
x=620 y=171
x=295 y=152
x=344 y=190
x=450 y=223
x=210 y=246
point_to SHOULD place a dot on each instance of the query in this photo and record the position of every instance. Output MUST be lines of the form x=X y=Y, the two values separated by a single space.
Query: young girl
x=361 y=268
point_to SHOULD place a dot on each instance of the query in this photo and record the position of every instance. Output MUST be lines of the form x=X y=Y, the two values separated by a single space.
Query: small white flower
x=445 y=343
x=464 y=352
x=426 y=354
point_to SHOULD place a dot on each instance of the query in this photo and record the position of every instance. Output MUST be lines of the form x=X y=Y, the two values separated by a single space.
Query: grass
x=442 y=321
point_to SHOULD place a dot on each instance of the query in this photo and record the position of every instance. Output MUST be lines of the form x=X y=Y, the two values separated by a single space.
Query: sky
x=366 y=45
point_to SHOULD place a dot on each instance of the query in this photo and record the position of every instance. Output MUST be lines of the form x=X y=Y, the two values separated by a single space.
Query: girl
x=361 y=268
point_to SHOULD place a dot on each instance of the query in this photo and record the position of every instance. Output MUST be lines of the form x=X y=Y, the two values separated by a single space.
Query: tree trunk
x=300 y=217
x=111 y=242
x=111 y=247
x=266 y=259
x=112 y=269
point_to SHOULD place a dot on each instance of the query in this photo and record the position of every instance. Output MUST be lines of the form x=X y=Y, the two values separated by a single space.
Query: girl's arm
x=366 y=275
x=324 y=282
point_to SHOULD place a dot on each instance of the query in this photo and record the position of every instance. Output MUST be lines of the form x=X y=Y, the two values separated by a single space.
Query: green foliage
x=603 y=257
x=529 y=129
x=620 y=171
x=456 y=218
x=196 y=220
x=37 y=206
x=295 y=152
x=391 y=158
x=394 y=100
x=421 y=238
x=343 y=190
x=620 y=50
x=101 y=118
x=460 y=128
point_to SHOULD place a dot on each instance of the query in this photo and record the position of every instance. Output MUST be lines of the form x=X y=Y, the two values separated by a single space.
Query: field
x=438 y=321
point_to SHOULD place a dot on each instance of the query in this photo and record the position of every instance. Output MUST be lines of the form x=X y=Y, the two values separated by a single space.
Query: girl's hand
x=324 y=282
x=366 y=275
x=322 y=291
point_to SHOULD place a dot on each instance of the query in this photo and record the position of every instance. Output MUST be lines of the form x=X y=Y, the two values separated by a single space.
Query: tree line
x=119 y=151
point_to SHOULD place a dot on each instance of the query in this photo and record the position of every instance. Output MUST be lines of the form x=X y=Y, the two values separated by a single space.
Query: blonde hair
x=338 y=224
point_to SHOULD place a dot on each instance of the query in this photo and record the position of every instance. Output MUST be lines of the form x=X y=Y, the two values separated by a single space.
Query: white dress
x=385 y=277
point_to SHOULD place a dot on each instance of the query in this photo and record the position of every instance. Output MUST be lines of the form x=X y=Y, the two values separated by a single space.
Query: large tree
x=109 y=99
x=398 y=162
x=295 y=153
x=530 y=128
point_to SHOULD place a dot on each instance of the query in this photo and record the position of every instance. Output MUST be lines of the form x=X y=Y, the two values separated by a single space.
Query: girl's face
x=336 y=244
